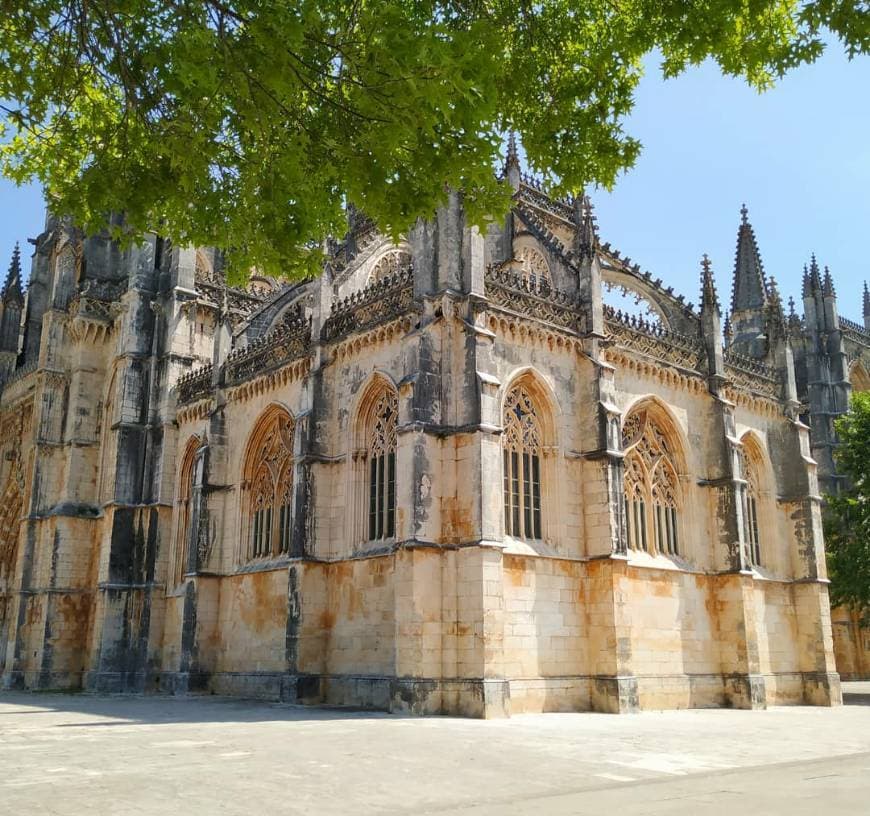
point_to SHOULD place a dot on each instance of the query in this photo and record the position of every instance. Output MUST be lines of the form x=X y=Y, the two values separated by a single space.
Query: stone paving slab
x=78 y=754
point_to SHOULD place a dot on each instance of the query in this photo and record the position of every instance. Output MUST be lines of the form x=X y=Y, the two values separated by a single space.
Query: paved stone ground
x=77 y=754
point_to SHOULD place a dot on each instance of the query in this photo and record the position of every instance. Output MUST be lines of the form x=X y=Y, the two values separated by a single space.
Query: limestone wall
x=546 y=633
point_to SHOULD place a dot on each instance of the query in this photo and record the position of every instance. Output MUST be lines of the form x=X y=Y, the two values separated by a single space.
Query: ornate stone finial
x=709 y=297
x=866 y=300
x=828 y=285
x=815 y=278
x=727 y=331
x=513 y=156
x=806 y=288
x=744 y=214
x=588 y=230
x=776 y=314
x=512 y=170
x=12 y=286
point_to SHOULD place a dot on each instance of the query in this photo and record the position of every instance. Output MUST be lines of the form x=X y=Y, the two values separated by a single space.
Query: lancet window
x=651 y=487
x=269 y=481
x=751 y=467
x=188 y=508
x=381 y=457
x=521 y=451
x=535 y=271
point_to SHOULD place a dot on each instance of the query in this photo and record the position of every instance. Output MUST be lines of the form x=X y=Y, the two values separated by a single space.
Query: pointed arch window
x=752 y=473
x=188 y=509
x=381 y=455
x=269 y=482
x=521 y=452
x=652 y=494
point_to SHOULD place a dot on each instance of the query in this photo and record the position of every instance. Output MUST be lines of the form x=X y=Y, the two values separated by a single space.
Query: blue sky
x=798 y=156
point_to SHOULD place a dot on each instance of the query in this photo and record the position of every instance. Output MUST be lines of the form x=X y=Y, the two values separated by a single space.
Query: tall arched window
x=522 y=449
x=381 y=455
x=752 y=463
x=268 y=480
x=651 y=486
x=184 y=512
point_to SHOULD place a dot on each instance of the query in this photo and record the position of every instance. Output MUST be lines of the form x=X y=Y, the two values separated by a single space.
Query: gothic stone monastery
x=442 y=477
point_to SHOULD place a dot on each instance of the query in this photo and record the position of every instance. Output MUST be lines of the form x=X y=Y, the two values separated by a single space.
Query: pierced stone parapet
x=752 y=374
x=377 y=303
x=290 y=340
x=95 y=299
x=533 y=193
x=530 y=296
x=855 y=332
x=653 y=340
x=195 y=385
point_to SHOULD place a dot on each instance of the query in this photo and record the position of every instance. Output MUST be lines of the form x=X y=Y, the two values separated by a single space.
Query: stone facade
x=443 y=477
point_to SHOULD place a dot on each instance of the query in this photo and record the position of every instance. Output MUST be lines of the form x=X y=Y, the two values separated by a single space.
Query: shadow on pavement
x=154 y=709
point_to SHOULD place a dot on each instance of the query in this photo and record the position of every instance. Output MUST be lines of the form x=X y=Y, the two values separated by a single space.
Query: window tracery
x=535 y=271
x=521 y=450
x=381 y=454
x=270 y=478
x=389 y=264
x=651 y=485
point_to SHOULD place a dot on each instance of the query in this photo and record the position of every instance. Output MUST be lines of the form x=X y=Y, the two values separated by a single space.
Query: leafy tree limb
x=847 y=519
x=250 y=124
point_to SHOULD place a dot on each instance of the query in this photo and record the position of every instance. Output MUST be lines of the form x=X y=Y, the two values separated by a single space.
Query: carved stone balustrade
x=653 y=340
x=533 y=298
x=195 y=385
x=288 y=341
x=380 y=302
x=855 y=332
x=752 y=375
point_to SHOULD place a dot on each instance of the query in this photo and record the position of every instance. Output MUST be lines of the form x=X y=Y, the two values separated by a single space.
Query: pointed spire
x=728 y=331
x=749 y=284
x=12 y=286
x=709 y=297
x=511 y=169
x=866 y=300
x=828 y=285
x=815 y=278
x=588 y=230
x=774 y=303
x=513 y=156
x=806 y=288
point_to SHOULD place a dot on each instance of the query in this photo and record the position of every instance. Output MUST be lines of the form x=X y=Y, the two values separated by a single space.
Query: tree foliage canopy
x=847 y=520
x=249 y=124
